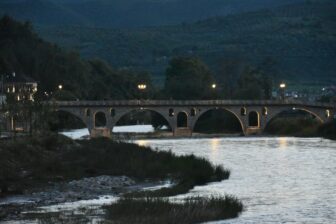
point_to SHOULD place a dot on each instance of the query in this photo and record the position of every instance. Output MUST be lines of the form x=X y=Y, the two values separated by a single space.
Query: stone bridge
x=183 y=115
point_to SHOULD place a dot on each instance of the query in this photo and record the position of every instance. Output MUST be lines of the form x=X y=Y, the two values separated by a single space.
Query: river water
x=279 y=180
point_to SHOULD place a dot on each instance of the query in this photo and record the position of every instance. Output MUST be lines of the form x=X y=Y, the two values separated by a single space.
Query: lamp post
x=142 y=88
x=213 y=93
x=282 y=90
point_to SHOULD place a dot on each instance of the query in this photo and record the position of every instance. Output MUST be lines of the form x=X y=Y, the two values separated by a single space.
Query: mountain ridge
x=131 y=13
x=299 y=38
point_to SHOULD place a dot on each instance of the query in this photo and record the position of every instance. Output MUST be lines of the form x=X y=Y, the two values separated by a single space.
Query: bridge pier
x=101 y=132
x=253 y=131
x=182 y=132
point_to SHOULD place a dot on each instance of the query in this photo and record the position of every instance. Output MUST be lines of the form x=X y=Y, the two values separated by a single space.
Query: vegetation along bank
x=34 y=163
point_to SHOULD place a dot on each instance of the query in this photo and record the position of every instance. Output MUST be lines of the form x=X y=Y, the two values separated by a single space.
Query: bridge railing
x=143 y=103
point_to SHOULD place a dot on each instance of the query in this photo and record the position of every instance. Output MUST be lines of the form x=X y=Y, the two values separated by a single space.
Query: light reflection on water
x=279 y=180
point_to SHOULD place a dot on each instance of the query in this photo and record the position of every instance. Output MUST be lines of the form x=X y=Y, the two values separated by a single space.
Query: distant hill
x=41 y=12
x=298 y=40
x=128 y=13
x=25 y=53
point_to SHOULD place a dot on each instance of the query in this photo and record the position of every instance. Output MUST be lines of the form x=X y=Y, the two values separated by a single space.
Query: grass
x=33 y=162
x=158 y=210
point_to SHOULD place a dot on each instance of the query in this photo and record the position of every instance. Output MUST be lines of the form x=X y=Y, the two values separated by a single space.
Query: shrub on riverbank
x=157 y=210
x=328 y=130
x=292 y=126
x=30 y=162
x=302 y=127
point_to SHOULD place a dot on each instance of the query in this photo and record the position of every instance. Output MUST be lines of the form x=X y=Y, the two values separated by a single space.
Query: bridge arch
x=318 y=116
x=69 y=120
x=73 y=113
x=294 y=119
x=157 y=117
x=100 y=119
x=254 y=119
x=235 y=114
x=182 y=119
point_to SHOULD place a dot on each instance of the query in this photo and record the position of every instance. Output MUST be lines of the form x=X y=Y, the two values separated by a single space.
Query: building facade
x=21 y=87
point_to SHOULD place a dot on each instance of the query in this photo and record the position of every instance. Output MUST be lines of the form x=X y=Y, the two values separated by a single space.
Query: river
x=279 y=180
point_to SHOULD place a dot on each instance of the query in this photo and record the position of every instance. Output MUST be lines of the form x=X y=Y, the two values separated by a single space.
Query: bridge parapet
x=191 y=103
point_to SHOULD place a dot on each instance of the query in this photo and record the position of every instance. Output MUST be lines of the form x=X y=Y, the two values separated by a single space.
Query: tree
x=188 y=78
x=253 y=84
x=23 y=52
x=230 y=69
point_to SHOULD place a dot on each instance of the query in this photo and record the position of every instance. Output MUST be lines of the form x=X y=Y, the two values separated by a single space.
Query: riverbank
x=294 y=127
x=328 y=130
x=49 y=167
x=13 y=207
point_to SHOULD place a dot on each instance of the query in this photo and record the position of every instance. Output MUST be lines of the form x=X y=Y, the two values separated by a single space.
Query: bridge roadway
x=182 y=116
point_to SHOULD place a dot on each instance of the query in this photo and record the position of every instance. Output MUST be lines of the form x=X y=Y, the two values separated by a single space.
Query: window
x=171 y=112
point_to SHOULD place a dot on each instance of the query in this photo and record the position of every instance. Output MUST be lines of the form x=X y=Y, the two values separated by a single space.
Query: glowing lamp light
x=60 y=87
x=214 y=86
x=282 y=85
x=142 y=86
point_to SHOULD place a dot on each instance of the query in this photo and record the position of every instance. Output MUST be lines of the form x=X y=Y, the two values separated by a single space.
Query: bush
x=157 y=210
x=328 y=130
x=292 y=126
x=34 y=161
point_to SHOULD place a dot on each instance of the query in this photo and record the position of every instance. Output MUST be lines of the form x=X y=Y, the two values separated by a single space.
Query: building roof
x=18 y=78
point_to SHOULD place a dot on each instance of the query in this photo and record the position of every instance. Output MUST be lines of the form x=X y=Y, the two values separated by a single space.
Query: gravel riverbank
x=12 y=207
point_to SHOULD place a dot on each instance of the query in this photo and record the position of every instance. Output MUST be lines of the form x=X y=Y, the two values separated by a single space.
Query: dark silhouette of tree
x=188 y=78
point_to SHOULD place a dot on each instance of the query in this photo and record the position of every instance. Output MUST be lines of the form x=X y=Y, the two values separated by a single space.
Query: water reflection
x=215 y=143
x=283 y=142
x=142 y=142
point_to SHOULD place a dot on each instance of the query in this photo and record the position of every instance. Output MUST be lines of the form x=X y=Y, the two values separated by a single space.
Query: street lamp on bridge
x=282 y=90
x=142 y=90
x=142 y=87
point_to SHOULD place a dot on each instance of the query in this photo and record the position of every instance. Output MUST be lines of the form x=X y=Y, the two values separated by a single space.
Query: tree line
x=23 y=52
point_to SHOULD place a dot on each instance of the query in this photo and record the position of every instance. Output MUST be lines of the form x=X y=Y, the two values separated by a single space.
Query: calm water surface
x=279 y=180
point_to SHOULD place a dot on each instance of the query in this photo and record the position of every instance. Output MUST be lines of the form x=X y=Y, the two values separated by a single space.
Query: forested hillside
x=296 y=42
x=23 y=52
